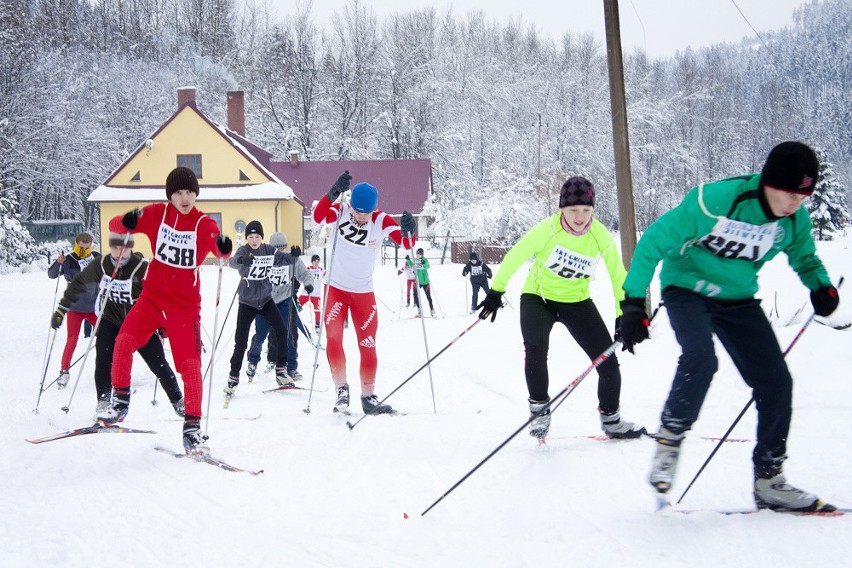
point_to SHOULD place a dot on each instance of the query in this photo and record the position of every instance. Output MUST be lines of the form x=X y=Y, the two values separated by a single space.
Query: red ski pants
x=316 y=303
x=74 y=320
x=183 y=326
x=365 y=320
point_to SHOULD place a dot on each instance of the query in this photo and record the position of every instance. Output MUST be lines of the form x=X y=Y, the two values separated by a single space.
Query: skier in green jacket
x=712 y=246
x=421 y=268
x=565 y=248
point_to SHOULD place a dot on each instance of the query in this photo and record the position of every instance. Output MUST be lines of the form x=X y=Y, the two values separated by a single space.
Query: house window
x=191 y=161
x=216 y=217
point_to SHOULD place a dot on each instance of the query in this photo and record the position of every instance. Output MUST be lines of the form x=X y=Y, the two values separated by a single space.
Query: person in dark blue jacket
x=479 y=275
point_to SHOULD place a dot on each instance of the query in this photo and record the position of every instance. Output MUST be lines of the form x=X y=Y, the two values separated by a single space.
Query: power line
x=749 y=24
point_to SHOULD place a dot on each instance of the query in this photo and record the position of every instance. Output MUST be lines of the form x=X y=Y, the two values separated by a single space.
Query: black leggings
x=586 y=326
x=152 y=353
x=245 y=317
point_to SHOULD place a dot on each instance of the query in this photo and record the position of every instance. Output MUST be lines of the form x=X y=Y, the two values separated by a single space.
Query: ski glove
x=246 y=259
x=58 y=316
x=224 y=244
x=131 y=219
x=634 y=323
x=617 y=335
x=493 y=301
x=341 y=185
x=309 y=288
x=825 y=300
x=295 y=252
x=407 y=224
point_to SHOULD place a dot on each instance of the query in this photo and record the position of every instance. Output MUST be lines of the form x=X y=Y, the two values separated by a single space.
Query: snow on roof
x=259 y=192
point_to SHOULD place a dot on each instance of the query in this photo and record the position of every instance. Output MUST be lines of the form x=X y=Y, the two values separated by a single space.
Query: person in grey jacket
x=255 y=261
x=281 y=278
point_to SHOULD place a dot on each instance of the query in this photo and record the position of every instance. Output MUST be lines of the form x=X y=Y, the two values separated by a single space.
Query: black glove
x=246 y=259
x=58 y=316
x=131 y=219
x=224 y=244
x=309 y=288
x=825 y=300
x=617 y=334
x=493 y=301
x=341 y=185
x=633 y=327
x=295 y=252
x=407 y=224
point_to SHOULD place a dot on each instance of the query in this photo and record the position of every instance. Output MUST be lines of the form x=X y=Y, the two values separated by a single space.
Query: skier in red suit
x=181 y=237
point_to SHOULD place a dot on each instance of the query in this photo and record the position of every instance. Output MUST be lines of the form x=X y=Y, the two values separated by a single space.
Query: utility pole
x=620 y=140
x=538 y=168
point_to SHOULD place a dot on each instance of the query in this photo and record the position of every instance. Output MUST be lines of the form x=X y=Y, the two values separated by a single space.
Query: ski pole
x=215 y=343
x=561 y=395
x=419 y=302
x=219 y=338
x=423 y=366
x=747 y=406
x=323 y=306
x=384 y=304
x=49 y=347
x=102 y=302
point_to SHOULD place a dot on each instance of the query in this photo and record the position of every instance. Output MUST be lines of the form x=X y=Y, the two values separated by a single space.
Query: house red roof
x=403 y=185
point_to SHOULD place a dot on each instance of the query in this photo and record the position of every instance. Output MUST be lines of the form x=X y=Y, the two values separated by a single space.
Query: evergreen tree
x=828 y=206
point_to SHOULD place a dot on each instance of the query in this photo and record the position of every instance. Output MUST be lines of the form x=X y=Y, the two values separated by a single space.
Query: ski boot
x=371 y=405
x=771 y=491
x=282 y=379
x=540 y=424
x=342 y=404
x=665 y=459
x=233 y=381
x=194 y=443
x=178 y=405
x=251 y=369
x=62 y=381
x=117 y=411
x=615 y=428
x=295 y=375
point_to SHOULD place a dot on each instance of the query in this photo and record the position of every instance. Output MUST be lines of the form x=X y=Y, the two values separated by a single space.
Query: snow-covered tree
x=828 y=206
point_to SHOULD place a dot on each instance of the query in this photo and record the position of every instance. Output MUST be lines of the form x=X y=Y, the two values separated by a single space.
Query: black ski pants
x=475 y=286
x=245 y=317
x=744 y=331
x=427 y=289
x=586 y=326
x=152 y=353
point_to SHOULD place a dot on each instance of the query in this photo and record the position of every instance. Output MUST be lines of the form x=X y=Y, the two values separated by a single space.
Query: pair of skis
x=100 y=428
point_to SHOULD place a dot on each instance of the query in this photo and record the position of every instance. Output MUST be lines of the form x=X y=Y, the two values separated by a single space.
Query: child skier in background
x=361 y=229
x=281 y=278
x=119 y=295
x=83 y=308
x=255 y=261
x=410 y=279
x=317 y=273
x=421 y=268
x=181 y=237
x=566 y=248
x=479 y=275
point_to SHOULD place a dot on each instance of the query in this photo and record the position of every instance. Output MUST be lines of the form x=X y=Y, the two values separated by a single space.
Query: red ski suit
x=350 y=286
x=171 y=296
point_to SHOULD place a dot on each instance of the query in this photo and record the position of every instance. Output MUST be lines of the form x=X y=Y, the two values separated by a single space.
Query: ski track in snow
x=334 y=497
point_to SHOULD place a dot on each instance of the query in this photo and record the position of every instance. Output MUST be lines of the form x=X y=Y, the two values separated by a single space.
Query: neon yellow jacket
x=563 y=263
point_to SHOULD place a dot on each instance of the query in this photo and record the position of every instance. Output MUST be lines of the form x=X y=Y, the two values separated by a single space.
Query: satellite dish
x=240 y=226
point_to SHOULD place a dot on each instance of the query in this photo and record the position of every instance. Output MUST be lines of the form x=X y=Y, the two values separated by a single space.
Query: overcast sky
x=660 y=26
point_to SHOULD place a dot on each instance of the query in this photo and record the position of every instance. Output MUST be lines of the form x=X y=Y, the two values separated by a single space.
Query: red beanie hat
x=117 y=233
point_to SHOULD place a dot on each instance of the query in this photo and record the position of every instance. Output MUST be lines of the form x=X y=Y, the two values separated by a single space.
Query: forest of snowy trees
x=83 y=82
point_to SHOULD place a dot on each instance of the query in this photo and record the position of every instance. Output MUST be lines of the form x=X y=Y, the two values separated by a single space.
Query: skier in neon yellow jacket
x=712 y=246
x=566 y=248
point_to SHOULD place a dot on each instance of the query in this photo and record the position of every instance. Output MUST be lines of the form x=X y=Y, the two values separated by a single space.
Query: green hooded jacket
x=718 y=238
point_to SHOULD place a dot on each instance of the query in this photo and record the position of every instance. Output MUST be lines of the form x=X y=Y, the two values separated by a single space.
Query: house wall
x=283 y=216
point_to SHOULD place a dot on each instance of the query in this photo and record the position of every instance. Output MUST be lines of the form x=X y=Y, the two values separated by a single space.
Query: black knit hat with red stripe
x=791 y=166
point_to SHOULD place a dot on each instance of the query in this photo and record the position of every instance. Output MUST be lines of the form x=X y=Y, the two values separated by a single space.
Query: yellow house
x=235 y=183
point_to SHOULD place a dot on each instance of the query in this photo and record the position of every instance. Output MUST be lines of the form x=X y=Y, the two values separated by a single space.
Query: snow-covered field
x=334 y=497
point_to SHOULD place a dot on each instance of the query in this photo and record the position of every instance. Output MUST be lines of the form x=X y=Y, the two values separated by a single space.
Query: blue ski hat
x=365 y=198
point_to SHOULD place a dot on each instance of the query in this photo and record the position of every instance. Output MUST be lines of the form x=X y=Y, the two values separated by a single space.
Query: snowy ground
x=331 y=497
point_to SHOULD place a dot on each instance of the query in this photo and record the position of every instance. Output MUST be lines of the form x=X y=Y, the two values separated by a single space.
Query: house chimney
x=237 y=112
x=185 y=96
x=294 y=158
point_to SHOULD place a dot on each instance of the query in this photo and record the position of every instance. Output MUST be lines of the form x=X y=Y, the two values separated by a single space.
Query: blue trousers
x=262 y=329
x=747 y=336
